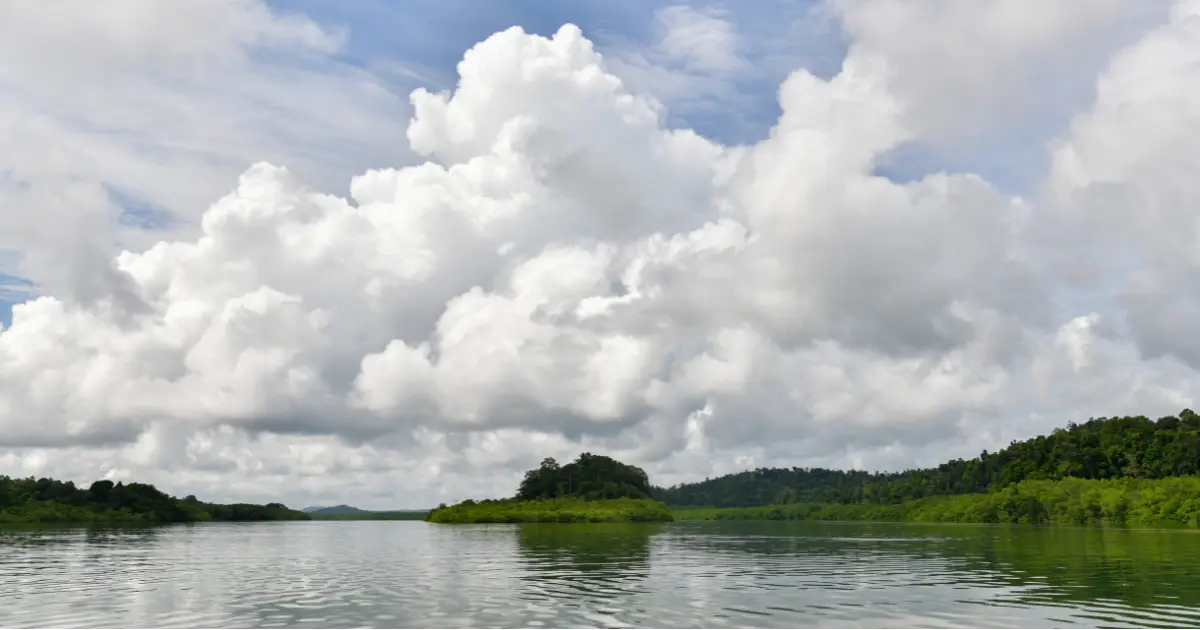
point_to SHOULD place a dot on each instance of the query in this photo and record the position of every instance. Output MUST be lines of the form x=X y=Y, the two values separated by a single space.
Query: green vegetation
x=1112 y=448
x=589 y=477
x=366 y=515
x=1111 y=471
x=1137 y=502
x=50 y=501
x=1115 y=471
x=562 y=510
x=592 y=489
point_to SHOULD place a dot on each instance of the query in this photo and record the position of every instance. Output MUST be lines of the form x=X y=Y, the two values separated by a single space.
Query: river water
x=759 y=574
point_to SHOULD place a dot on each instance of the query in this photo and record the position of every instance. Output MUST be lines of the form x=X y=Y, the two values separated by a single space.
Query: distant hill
x=350 y=513
x=349 y=509
x=336 y=509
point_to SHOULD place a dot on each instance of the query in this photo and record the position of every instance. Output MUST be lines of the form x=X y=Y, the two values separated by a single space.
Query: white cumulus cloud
x=563 y=272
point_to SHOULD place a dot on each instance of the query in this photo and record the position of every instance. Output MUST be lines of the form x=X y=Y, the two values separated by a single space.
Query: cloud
x=1124 y=176
x=119 y=124
x=696 y=61
x=699 y=39
x=961 y=67
x=717 y=68
x=567 y=272
x=132 y=34
x=986 y=84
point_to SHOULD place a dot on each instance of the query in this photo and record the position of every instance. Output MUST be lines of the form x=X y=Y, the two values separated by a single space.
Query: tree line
x=1174 y=501
x=30 y=500
x=1134 y=447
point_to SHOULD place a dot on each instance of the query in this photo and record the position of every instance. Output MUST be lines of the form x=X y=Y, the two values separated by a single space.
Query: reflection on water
x=585 y=579
x=398 y=574
x=888 y=575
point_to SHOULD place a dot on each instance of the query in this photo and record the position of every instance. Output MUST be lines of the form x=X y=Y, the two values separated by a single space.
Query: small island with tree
x=591 y=489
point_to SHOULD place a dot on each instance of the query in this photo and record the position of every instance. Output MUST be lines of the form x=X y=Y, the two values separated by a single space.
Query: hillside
x=1104 y=448
x=351 y=513
x=1169 y=502
x=335 y=509
x=386 y=515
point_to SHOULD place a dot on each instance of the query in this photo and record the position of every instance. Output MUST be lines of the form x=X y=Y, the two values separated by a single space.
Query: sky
x=393 y=254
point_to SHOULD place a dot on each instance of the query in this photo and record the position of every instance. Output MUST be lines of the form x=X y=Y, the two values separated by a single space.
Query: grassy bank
x=563 y=510
x=370 y=516
x=1136 y=502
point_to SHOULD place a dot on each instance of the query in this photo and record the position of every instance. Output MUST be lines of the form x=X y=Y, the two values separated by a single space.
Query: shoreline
x=562 y=510
x=1172 y=502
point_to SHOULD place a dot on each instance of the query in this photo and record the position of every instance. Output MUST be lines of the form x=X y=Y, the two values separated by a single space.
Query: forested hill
x=44 y=500
x=1103 y=448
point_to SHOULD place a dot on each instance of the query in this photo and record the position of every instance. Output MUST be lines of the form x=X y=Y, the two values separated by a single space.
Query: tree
x=588 y=477
x=100 y=490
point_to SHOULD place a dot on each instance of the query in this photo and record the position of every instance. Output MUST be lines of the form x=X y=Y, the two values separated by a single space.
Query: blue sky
x=12 y=289
x=430 y=36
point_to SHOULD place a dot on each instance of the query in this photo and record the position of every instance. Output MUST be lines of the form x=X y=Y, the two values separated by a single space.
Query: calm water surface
x=402 y=574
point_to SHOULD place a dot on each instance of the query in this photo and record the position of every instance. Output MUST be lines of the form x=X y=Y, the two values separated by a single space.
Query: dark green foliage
x=562 y=510
x=592 y=489
x=1141 y=502
x=1105 y=448
x=51 y=501
x=590 y=477
x=251 y=512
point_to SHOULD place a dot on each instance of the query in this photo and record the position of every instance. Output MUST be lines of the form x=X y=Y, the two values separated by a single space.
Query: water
x=405 y=574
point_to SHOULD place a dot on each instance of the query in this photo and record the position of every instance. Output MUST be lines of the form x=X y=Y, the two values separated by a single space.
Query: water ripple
x=408 y=574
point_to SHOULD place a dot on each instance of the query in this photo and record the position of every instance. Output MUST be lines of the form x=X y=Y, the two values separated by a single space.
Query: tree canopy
x=50 y=500
x=590 y=477
x=1104 y=448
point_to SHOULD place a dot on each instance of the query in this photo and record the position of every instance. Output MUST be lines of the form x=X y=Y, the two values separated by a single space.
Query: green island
x=31 y=500
x=592 y=489
x=1125 y=471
